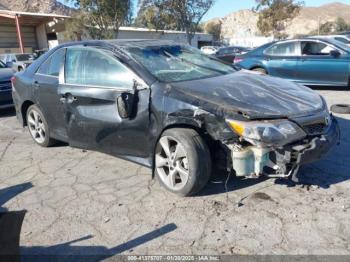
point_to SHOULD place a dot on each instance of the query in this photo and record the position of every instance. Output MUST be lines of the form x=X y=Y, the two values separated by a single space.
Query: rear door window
x=284 y=49
x=53 y=64
x=96 y=67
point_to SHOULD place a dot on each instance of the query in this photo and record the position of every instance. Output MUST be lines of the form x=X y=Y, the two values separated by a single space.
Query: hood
x=6 y=74
x=254 y=95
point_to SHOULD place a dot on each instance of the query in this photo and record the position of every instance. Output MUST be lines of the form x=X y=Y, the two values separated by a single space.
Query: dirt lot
x=82 y=202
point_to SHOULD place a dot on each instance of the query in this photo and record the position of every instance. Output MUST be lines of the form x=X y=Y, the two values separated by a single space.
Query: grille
x=5 y=85
x=315 y=129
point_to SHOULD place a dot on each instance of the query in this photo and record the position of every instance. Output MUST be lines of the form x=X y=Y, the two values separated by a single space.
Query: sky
x=225 y=7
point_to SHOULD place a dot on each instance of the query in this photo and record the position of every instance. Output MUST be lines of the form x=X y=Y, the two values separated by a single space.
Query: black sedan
x=169 y=107
x=229 y=53
x=5 y=86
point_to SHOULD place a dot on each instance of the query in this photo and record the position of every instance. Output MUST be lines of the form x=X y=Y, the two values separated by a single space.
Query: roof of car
x=322 y=39
x=327 y=36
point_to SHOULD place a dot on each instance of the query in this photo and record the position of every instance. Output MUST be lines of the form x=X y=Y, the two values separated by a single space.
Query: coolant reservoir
x=243 y=161
x=250 y=161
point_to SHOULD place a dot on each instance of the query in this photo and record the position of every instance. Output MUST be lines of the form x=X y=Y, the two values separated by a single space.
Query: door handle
x=68 y=98
x=62 y=99
x=36 y=84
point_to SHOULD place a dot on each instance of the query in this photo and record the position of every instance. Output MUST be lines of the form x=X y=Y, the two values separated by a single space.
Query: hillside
x=42 y=6
x=243 y=22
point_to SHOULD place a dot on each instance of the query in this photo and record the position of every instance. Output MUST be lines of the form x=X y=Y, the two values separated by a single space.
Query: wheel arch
x=24 y=108
x=258 y=66
x=184 y=125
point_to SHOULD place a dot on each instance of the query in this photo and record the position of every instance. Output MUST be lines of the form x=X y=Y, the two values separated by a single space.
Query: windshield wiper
x=194 y=64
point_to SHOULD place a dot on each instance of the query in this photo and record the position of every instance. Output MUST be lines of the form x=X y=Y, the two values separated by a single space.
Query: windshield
x=339 y=44
x=343 y=40
x=24 y=57
x=173 y=63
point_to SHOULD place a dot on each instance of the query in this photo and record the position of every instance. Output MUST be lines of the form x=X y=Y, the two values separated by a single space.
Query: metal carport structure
x=25 y=29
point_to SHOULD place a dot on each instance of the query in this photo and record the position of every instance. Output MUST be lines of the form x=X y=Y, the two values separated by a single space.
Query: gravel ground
x=81 y=202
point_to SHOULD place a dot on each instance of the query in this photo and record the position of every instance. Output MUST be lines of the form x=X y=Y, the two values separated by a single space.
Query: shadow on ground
x=11 y=223
x=68 y=252
x=10 y=231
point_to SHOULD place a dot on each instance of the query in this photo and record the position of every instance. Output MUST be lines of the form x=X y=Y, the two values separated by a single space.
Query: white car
x=209 y=50
x=341 y=38
x=18 y=62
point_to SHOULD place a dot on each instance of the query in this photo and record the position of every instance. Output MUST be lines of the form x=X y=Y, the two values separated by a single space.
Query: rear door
x=94 y=79
x=281 y=59
x=318 y=66
x=45 y=86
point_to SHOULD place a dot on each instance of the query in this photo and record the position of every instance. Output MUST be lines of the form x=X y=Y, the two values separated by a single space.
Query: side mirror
x=335 y=53
x=127 y=101
x=125 y=104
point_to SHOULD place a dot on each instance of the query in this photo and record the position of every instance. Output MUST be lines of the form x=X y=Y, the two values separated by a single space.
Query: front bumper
x=319 y=146
x=252 y=161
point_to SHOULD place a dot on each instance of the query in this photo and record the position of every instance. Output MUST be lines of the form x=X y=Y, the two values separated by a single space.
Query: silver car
x=18 y=62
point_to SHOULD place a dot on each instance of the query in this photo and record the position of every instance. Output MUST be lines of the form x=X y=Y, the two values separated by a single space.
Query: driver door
x=94 y=80
x=318 y=66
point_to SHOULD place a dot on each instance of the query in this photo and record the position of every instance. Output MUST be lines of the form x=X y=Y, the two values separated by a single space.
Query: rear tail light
x=237 y=60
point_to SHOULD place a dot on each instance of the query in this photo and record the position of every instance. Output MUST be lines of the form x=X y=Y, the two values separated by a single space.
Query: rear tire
x=260 y=70
x=38 y=127
x=182 y=161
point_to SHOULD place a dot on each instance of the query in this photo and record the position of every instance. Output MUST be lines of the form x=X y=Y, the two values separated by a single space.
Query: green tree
x=332 y=27
x=274 y=15
x=188 y=13
x=341 y=25
x=75 y=29
x=213 y=28
x=151 y=14
x=182 y=15
x=102 y=18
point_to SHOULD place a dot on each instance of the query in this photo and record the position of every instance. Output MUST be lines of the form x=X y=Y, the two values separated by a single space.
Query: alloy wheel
x=172 y=163
x=36 y=126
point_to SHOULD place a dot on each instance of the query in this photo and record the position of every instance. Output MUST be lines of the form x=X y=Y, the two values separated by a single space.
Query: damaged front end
x=277 y=148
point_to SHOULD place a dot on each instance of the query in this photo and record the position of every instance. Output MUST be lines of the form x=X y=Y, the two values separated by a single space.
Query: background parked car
x=18 y=62
x=341 y=38
x=229 y=53
x=307 y=61
x=5 y=86
x=209 y=50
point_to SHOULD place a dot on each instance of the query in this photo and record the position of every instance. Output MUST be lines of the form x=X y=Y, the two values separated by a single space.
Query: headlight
x=269 y=133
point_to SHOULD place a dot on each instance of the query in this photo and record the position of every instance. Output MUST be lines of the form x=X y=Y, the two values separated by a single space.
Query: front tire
x=38 y=127
x=182 y=161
